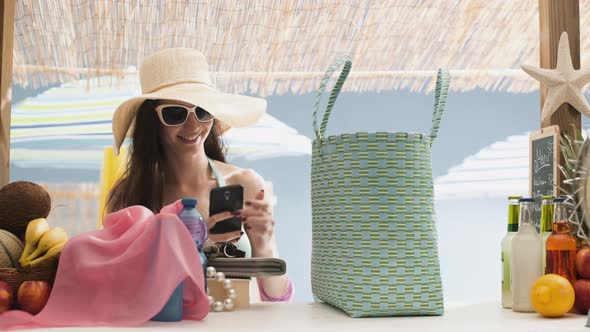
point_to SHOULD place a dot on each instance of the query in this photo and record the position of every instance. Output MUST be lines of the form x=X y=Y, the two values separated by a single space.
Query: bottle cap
x=514 y=197
x=545 y=198
x=526 y=200
x=189 y=202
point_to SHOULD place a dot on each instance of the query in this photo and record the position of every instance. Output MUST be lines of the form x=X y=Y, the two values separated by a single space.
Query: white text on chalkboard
x=543 y=158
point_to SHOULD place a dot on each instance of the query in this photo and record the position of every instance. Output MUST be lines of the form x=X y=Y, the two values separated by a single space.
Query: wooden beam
x=6 y=49
x=555 y=17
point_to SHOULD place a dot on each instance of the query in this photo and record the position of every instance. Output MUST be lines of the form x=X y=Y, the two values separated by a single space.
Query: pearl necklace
x=231 y=293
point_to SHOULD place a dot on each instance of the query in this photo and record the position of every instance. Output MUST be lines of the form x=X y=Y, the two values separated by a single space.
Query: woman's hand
x=176 y=208
x=225 y=237
x=259 y=225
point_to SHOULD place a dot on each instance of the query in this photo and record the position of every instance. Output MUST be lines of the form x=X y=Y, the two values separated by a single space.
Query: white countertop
x=303 y=317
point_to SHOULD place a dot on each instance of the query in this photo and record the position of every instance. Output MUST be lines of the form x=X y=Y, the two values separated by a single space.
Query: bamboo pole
x=6 y=47
x=509 y=73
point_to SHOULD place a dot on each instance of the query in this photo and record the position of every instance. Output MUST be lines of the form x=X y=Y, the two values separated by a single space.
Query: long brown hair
x=142 y=182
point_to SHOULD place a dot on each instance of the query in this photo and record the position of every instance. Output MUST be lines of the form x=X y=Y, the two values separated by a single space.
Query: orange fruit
x=552 y=295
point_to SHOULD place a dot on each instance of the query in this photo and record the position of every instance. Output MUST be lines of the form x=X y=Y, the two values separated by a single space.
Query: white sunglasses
x=173 y=115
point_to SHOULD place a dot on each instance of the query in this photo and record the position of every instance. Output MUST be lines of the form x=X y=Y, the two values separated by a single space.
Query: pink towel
x=121 y=275
x=174 y=208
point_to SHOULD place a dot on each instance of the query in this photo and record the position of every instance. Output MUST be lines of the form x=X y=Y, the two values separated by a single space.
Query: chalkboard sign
x=544 y=161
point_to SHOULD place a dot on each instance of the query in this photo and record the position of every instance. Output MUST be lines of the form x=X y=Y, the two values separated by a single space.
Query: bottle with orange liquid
x=561 y=245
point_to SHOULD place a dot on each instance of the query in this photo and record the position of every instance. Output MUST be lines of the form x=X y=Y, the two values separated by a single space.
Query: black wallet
x=248 y=267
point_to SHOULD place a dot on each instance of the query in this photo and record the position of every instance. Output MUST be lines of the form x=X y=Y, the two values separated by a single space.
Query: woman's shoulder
x=247 y=177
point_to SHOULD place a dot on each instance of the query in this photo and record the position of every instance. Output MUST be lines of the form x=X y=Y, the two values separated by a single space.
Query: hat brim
x=231 y=110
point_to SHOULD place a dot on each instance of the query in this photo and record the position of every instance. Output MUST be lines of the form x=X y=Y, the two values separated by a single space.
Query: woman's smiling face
x=187 y=137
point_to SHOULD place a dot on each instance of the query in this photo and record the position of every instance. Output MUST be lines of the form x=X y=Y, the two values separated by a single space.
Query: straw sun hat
x=183 y=74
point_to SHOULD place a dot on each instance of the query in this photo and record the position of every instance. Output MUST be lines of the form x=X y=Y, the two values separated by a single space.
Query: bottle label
x=197 y=229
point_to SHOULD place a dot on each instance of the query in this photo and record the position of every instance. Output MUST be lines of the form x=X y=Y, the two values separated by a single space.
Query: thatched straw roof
x=270 y=46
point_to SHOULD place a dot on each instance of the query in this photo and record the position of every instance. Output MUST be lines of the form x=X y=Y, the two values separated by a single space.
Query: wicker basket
x=15 y=277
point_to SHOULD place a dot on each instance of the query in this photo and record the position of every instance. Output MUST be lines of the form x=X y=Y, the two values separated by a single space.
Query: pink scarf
x=122 y=275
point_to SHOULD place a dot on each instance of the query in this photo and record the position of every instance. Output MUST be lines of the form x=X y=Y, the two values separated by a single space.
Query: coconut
x=11 y=248
x=21 y=202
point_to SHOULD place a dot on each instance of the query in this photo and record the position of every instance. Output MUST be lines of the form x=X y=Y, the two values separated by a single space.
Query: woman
x=177 y=152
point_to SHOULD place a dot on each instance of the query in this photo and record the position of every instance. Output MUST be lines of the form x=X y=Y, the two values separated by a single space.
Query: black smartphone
x=228 y=198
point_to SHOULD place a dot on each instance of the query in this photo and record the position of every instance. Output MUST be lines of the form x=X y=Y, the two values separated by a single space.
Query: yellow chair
x=112 y=170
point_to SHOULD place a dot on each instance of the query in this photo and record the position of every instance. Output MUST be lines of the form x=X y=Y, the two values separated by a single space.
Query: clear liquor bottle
x=513 y=209
x=525 y=258
x=546 y=223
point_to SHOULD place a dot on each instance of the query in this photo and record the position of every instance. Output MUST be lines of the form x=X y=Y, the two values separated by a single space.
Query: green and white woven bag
x=374 y=240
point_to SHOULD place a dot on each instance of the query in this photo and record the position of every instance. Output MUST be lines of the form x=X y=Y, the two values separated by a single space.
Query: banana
x=51 y=256
x=35 y=229
x=49 y=239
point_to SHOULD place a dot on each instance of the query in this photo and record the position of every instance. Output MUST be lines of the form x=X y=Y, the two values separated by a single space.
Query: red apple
x=583 y=262
x=5 y=297
x=33 y=295
x=582 y=291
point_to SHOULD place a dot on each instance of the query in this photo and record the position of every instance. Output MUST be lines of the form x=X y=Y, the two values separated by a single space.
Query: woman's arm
x=273 y=288
x=259 y=225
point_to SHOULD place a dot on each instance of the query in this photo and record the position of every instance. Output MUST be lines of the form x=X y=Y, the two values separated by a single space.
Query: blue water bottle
x=194 y=221
x=172 y=310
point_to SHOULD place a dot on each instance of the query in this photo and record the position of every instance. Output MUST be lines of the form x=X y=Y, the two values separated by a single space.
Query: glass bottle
x=546 y=223
x=513 y=209
x=561 y=245
x=525 y=258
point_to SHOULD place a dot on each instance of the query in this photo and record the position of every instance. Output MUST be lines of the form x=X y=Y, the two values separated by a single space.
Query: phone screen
x=222 y=199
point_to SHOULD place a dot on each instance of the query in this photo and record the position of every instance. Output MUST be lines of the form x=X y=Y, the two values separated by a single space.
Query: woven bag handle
x=347 y=64
x=440 y=100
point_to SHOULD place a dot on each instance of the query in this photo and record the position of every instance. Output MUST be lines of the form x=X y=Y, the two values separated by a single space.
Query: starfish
x=564 y=82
